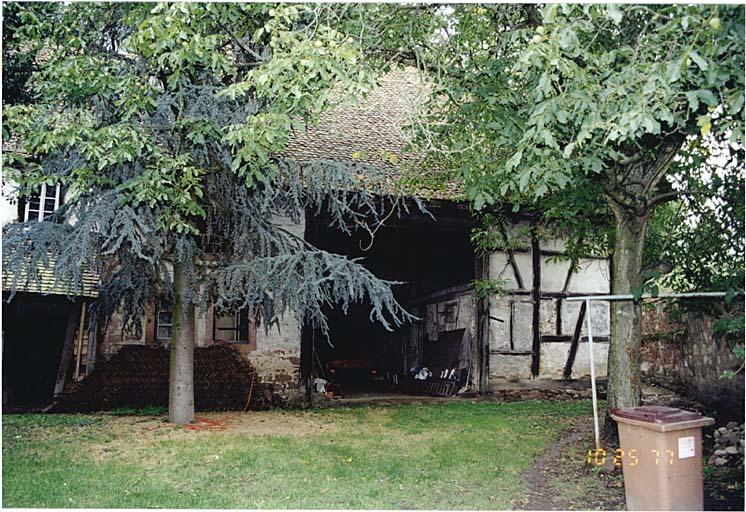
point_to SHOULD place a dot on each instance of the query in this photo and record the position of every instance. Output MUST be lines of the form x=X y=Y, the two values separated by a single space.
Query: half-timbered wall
x=531 y=324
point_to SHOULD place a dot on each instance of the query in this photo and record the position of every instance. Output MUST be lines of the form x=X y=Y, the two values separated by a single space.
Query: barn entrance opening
x=434 y=261
x=32 y=347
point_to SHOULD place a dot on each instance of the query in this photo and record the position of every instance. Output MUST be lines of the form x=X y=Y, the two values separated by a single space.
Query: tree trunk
x=624 y=386
x=181 y=368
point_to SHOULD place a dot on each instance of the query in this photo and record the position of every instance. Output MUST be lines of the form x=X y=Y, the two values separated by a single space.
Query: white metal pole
x=593 y=373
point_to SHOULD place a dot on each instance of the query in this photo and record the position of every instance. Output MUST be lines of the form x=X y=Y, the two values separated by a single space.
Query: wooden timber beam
x=67 y=347
x=574 y=344
x=536 y=301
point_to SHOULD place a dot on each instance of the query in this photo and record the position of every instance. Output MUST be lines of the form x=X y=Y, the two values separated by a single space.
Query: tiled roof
x=373 y=131
x=47 y=285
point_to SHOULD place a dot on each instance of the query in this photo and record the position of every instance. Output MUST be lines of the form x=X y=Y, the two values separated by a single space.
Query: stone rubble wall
x=687 y=356
x=729 y=446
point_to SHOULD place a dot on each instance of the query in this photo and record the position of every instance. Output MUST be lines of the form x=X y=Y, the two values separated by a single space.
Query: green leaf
x=479 y=201
x=674 y=70
x=613 y=12
x=702 y=63
x=729 y=296
x=736 y=106
x=705 y=125
x=707 y=97
x=514 y=160
x=637 y=293
x=524 y=179
x=693 y=99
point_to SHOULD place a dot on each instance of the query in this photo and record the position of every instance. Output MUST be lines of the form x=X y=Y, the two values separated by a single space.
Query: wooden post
x=483 y=328
x=67 y=349
x=91 y=356
x=574 y=345
x=79 y=344
x=536 y=300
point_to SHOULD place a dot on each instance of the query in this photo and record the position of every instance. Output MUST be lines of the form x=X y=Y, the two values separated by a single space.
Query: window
x=164 y=322
x=450 y=312
x=38 y=207
x=233 y=328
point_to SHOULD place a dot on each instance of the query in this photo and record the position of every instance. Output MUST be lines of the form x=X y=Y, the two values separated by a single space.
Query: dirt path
x=560 y=479
x=540 y=495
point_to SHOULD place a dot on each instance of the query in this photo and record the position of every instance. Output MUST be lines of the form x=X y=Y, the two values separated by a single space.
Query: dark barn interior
x=427 y=255
x=32 y=346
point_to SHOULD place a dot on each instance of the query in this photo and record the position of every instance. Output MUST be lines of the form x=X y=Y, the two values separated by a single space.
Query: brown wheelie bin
x=661 y=454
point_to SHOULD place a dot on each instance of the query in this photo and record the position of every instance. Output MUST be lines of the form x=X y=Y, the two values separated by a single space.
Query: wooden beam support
x=482 y=338
x=91 y=359
x=574 y=344
x=536 y=300
x=67 y=348
x=79 y=344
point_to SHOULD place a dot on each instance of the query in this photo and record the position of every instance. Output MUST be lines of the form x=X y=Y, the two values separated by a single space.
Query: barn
x=521 y=335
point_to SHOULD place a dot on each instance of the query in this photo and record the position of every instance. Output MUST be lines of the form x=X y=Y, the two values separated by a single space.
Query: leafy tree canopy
x=166 y=124
x=563 y=108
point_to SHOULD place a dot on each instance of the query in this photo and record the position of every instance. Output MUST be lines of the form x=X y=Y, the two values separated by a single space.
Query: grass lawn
x=452 y=455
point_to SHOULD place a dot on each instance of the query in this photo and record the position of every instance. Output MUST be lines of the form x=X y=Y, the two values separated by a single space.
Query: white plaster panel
x=499 y=332
x=553 y=273
x=592 y=276
x=522 y=319
x=8 y=206
x=200 y=326
x=600 y=320
x=548 y=316
x=554 y=356
x=526 y=268
x=509 y=367
x=285 y=336
x=501 y=269
x=520 y=231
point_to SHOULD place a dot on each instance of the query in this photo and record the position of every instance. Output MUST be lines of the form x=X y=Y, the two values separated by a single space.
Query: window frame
x=242 y=327
x=162 y=309
x=42 y=213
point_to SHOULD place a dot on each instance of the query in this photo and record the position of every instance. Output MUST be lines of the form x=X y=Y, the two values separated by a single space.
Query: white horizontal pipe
x=647 y=296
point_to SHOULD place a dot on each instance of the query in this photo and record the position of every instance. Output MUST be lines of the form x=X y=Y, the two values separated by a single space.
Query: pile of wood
x=137 y=376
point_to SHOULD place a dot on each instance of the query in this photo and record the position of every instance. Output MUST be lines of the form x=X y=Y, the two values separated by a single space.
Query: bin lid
x=657 y=414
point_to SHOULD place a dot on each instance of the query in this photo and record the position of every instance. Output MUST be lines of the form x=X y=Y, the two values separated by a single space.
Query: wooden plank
x=67 y=348
x=574 y=344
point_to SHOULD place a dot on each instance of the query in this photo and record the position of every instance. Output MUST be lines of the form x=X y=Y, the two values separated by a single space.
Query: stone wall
x=688 y=357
